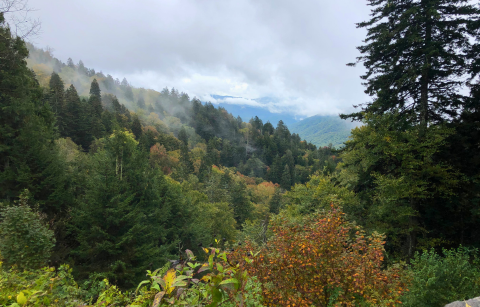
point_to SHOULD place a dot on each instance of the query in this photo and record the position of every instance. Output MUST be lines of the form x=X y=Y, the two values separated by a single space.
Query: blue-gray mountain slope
x=323 y=130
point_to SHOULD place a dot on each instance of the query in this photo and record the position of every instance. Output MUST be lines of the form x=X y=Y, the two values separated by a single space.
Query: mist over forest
x=117 y=195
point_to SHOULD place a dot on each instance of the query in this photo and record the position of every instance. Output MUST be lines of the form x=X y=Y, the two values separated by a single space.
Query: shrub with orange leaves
x=160 y=157
x=323 y=260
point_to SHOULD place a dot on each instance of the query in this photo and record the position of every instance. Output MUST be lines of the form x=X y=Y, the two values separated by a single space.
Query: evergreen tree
x=96 y=109
x=288 y=159
x=127 y=89
x=70 y=63
x=204 y=170
x=57 y=101
x=226 y=155
x=275 y=174
x=29 y=158
x=109 y=83
x=185 y=160
x=151 y=109
x=81 y=68
x=95 y=89
x=129 y=93
x=109 y=122
x=137 y=127
x=182 y=136
x=77 y=115
x=417 y=56
x=286 y=181
x=141 y=103
x=275 y=202
x=129 y=218
x=242 y=206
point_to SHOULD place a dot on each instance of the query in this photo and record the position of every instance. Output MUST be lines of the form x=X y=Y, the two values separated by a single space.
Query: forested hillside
x=323 y=130
x=112 y=195
x=255 y=149
x=174 y=172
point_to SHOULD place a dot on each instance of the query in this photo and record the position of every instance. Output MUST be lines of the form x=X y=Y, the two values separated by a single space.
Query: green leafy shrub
x=191 y=283
x=217 y=282
x=43 y=287
x=112 y=296
x=440 y=280
x=25 y=240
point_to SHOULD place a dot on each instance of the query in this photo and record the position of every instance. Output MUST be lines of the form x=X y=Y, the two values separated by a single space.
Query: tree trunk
x=411 y=241
x=425 y=79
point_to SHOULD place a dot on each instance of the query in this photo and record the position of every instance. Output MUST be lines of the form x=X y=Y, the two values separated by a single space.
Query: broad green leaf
x=155 y=286
x=210 y=261
x=21 y=299
x=229 y=281
x=179 y=283
x=141 y=284
x=216 y=295
x=160 y=281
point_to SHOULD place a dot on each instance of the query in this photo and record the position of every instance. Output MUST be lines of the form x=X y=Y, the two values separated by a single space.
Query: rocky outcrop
x=474 y=302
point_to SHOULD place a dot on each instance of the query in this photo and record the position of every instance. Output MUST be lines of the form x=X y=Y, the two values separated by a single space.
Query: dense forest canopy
x=102 y=182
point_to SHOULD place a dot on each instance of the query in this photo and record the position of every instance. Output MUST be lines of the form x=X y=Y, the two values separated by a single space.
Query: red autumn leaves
x=320 y=260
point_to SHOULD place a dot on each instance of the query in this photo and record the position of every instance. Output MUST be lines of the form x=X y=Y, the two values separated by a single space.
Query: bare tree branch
x=17 y=17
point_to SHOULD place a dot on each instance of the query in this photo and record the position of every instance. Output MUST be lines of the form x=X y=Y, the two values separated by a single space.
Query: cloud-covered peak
x=294 y=51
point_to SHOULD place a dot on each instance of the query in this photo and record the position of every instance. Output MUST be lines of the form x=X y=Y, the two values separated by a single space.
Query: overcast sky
x=292 y=51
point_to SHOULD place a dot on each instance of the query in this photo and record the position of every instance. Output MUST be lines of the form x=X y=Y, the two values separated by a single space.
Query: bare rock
x=474 y=302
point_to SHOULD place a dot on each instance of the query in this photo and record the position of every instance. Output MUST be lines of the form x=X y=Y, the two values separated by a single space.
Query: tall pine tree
x=129 y=218
x=28 y=155
x=77 y=118
x=417 y=55
x=96 y=109
x=137 y=127
x=57 y=102
x=419 y=58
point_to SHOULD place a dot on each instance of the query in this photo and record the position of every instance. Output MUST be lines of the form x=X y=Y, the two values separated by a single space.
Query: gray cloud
x=295 y=51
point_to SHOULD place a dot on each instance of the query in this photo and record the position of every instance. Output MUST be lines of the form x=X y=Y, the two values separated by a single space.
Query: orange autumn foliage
x=248 y=180
x=323 y=261
x=160 y=157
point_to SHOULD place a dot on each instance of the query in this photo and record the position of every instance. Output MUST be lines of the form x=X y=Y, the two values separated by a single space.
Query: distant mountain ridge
x=246 y=112
x=323 y=130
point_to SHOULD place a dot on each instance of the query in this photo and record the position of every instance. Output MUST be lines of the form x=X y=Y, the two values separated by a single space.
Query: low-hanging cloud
x=292 y=51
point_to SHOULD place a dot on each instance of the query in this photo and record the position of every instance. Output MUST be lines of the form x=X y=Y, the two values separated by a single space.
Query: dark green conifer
x=182 y=136
x=77 y=114
x=137 y=127
x=141 y=103
x=57 y=101
x=418 y=56
x=70 y=63
x=275 y=174
x=81 y=68
x=96 y=109
x=28 y=155
x=129 y=216
x=275 y=202
x=419 y=59
x=242 y=206
x=286 y=181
